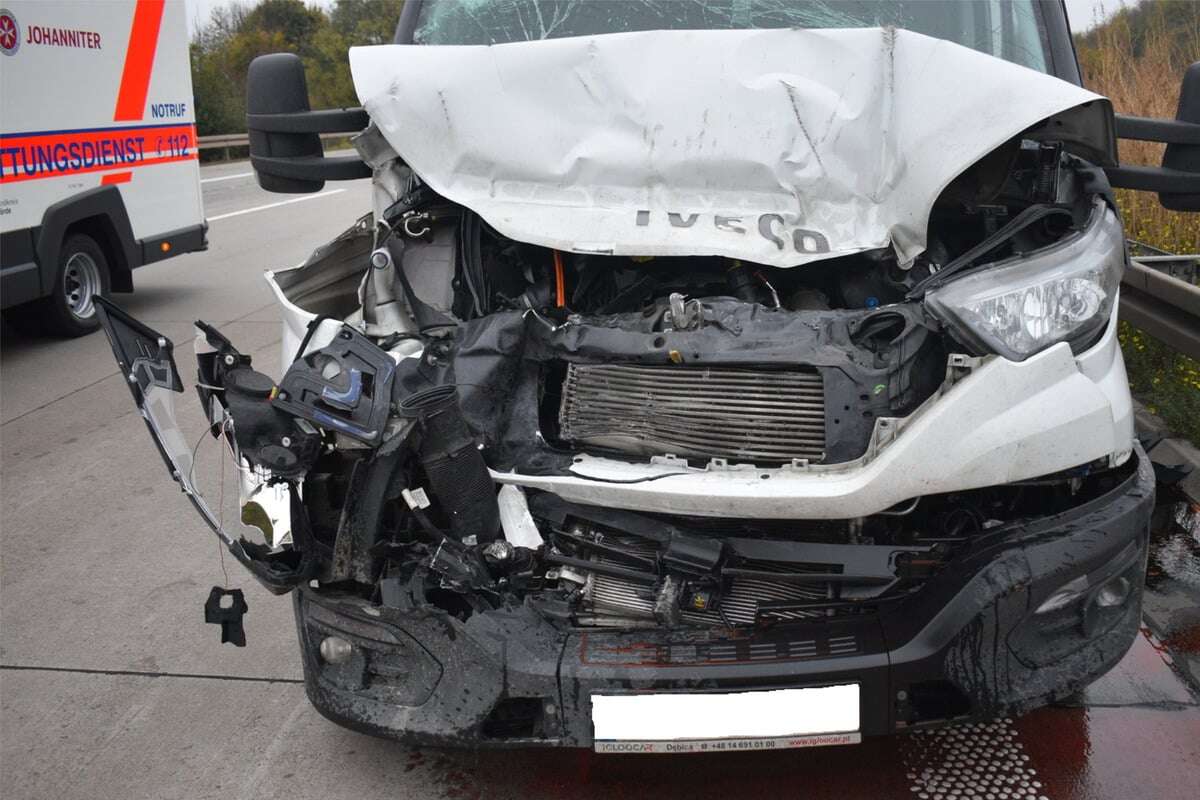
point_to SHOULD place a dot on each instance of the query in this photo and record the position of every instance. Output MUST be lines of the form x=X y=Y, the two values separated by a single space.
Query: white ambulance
x=98 y=161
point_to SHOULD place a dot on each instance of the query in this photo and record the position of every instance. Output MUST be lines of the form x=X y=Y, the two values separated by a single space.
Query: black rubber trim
x=181 y=240
x=1063 y=61
x=103 y=202
x=16 y=247
x=1154 y=179
x=1147 y=129
x=407 y=22
x=19 y=284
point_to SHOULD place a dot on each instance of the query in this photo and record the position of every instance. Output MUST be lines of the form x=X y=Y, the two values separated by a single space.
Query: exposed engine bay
x=440 y=354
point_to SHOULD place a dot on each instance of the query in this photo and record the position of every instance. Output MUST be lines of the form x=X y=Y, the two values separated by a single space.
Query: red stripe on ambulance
x=32 y=156
x=139 y=61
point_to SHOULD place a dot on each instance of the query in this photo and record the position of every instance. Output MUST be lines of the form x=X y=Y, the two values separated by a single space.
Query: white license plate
x=726 y=722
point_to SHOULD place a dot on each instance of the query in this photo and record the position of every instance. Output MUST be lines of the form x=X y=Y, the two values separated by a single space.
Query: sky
x=1081 y=13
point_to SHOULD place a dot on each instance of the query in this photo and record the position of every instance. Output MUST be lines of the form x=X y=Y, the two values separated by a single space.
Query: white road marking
x=274 y=205
x=226 y=177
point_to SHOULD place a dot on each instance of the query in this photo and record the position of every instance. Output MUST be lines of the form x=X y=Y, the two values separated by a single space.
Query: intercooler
x=709 y=412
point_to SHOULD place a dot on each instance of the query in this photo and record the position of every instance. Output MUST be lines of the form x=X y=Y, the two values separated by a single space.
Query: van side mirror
x=1181 y=156
x=285 y=145
x=1177 y=181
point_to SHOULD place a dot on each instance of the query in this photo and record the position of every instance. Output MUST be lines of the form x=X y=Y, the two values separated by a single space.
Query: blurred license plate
x=726 y=722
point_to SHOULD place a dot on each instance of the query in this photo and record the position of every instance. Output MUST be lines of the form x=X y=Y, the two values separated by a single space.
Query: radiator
x=708 y=412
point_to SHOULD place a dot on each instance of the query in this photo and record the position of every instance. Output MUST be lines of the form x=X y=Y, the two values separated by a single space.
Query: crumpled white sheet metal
x=780 y=147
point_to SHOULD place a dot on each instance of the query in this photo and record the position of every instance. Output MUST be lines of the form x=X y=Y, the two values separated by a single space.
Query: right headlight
x=1024 y=304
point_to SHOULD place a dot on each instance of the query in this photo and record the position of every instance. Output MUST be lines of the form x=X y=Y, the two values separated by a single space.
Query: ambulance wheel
x=82 y=277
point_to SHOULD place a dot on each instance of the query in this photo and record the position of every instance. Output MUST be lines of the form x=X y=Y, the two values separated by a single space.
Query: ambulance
x=98 y=160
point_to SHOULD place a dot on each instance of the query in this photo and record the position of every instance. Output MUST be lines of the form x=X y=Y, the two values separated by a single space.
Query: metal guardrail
x=1163 y=305
x=1152 y=299
x=229 y=140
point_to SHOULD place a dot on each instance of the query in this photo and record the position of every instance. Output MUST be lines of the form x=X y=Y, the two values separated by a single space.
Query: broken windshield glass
x=1006 y=28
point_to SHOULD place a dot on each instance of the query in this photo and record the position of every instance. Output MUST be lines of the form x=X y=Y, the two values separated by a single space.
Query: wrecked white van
x=707 y=376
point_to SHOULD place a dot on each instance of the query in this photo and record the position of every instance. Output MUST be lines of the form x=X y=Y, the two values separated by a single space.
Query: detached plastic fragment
x=228 y=617
x=145 y=358
x=266 y=506
x=345 y=387
x=519 y=528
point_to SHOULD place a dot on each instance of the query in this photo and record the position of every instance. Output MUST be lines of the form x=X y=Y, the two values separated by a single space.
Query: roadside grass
x=1144 y=81
x=1168 y=383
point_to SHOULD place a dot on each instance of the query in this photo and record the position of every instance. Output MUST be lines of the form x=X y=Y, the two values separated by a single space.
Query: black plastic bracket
x=229 y=618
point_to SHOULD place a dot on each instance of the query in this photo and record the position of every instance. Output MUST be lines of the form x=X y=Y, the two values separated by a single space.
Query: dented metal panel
x=781 y=147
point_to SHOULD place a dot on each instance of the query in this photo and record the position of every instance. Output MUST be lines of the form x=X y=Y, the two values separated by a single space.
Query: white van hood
x=779 y=147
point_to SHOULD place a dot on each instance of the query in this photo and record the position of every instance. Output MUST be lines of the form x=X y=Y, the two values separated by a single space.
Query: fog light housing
x=1114 y=593
x=1065 y=596
x=336 y=650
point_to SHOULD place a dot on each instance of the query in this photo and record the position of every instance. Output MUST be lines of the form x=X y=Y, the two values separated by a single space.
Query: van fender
x=105 y=204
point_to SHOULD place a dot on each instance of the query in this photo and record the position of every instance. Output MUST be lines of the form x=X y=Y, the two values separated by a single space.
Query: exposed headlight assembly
x=1024 y=304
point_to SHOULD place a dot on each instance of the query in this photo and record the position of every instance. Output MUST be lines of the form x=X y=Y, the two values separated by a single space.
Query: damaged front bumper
x=1031 y=613
x=993 y=422
x=1030 y=607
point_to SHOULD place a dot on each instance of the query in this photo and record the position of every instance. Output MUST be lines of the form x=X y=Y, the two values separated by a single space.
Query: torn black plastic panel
x=375 y=479
x=950 y=652
x=146 y=358
x=453 y=465
x=265 y=436
x=228 y=617
x=873 y=362
x=854 y=572
x=345 y=386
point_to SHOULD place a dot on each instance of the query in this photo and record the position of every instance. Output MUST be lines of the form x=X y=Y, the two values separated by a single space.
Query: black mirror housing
x=285 y=145
x=1177 y=181
x=1185 y=157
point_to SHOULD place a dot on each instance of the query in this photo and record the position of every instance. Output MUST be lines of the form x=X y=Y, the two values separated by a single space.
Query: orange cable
x=560 y=282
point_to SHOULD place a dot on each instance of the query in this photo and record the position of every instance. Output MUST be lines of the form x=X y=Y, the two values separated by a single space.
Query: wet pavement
x=1172 y=602
x=111 y=685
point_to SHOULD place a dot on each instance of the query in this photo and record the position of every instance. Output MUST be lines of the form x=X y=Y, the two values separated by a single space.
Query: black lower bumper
x=970 y=643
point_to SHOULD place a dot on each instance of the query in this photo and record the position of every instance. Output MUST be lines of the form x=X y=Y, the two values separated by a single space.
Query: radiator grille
x=709 y=412
x=739 y=604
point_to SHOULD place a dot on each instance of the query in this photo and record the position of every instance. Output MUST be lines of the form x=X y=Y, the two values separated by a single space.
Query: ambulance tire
x=82 y=274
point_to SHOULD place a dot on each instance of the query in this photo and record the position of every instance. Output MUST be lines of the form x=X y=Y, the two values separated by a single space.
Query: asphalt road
x=112 y=686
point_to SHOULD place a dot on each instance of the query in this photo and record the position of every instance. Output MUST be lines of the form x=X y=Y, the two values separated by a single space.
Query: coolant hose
x=458 y=476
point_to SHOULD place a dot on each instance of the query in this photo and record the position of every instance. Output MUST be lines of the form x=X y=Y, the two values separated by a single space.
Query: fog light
x=336 y=650
x=1113 y=593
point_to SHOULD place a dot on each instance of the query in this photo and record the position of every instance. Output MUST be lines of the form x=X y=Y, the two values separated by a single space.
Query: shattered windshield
x=1009 y=29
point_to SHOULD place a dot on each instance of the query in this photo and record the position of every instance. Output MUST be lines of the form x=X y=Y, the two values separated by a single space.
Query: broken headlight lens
x=1024 y=304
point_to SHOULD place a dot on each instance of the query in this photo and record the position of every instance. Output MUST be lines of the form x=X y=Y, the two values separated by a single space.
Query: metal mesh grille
x=739 y=605
x=709 y=412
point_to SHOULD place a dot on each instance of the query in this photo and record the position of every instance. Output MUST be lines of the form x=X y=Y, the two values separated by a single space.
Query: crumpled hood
x=780 y=147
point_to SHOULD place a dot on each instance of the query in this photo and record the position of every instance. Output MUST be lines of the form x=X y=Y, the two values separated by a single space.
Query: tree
x=222 y=50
